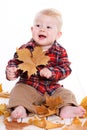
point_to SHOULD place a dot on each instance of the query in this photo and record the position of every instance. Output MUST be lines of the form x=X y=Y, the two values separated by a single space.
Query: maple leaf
x=38 y=122
x=43 y=123
x=85 y=124
x=41 y=109
x=3 y=94
x=53 y=102
x=50 y=107
x=49 y=113
x=39 y=57
x=31 y=61
x=84 y=104
x=14 y=125
x=76 y=121
x=3 y=110
x=76 y=124
x=1 y=88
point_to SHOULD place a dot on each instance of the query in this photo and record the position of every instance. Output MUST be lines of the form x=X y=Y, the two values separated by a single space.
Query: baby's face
x=45 y=30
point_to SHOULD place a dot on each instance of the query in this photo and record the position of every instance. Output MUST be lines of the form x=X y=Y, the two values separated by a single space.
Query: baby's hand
x=11 y=72
x=46 y=73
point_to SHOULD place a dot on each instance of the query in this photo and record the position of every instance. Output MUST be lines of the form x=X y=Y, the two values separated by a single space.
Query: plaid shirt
x=58 y=64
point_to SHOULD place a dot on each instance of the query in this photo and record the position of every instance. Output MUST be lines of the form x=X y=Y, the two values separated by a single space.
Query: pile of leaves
x=31 y=60
x=50 y=107
x=40 y=119
x=45 y=124
x=43 y=111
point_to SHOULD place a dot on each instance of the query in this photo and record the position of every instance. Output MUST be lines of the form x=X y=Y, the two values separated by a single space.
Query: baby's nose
x=42 y=28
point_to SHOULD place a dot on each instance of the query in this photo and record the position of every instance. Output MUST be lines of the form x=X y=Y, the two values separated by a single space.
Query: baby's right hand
x=11 y=72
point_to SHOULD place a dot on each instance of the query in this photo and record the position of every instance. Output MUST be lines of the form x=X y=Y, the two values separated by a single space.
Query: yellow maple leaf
x=84 y=104
x=1 y=88
x=3 y=110
x=76 y=121
x=85 y=124
x=31 y=61
x=38 y=122
x=76 y=124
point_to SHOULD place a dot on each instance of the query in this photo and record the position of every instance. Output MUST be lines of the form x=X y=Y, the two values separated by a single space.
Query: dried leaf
x=43 y=123
x=50 y=112
x=30 y=62
x=1 y=88
x=76 y=121
x=51 y=125
x=39 y=57
x=4 y=95
x=38 y=122
x=3 y=110
x=41 y=109
x=84 y=104
x=53 y=102
x=85 y=124
x=50 y=107
x=76 y=125
x=30 y=68
x=13 y=125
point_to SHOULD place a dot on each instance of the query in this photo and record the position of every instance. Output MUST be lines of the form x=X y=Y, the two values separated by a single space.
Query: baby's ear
x=31 y=28
x=59 y=35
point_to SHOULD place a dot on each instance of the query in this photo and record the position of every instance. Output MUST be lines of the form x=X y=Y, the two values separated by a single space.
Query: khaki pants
x=28 y=96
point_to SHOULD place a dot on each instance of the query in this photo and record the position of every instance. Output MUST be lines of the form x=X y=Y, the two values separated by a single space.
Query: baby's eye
x=48 y=27
x=37 y=25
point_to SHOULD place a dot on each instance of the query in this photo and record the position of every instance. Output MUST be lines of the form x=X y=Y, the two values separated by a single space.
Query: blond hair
x=53 y=13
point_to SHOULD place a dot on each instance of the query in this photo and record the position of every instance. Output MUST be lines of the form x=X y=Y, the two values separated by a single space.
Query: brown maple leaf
x=30 y=62
x=50 y=107
x=53 y=102
x=14 y=125
x=41 y=109
x=43 y=123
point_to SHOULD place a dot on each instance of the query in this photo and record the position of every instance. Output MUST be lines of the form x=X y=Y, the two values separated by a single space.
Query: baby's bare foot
x=19 y=112
x=72 y=111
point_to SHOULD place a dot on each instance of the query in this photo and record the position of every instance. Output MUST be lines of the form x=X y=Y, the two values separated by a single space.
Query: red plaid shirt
x=58 y=64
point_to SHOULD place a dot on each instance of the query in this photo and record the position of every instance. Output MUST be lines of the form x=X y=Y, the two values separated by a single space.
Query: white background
x=16 y=17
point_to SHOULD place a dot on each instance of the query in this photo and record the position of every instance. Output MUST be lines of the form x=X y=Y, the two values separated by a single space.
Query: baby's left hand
x=45 y=73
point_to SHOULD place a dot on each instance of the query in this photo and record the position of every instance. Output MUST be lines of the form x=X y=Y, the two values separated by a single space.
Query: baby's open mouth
x=42 y=36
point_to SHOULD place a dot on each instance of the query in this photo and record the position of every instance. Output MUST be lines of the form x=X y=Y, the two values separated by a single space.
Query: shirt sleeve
x=61 y=69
